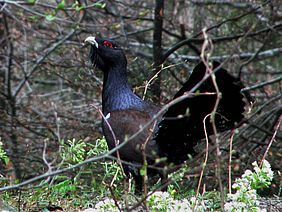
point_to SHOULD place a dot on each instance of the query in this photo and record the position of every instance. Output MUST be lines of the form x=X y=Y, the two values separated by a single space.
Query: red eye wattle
x=108 y=44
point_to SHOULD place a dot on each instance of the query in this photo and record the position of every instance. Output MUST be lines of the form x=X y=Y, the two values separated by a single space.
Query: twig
x=230 y=160
x=271 y=140
x=40 y=60
x=150 y=80
x=260 y=85
x=114 y=197
x=194 y=39
x=205 y=161
x=49 y=165
x=205 y=58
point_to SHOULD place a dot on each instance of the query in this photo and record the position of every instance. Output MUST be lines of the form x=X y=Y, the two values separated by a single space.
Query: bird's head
x=105 y=53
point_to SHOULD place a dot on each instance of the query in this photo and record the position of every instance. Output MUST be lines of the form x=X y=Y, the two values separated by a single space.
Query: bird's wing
x=129 y=126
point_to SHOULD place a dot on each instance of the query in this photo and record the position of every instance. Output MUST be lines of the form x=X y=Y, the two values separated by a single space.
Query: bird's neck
x=117 y=94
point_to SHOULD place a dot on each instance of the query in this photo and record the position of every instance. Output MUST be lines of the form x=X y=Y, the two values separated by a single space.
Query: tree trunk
x=9 y=108
x=157 y=49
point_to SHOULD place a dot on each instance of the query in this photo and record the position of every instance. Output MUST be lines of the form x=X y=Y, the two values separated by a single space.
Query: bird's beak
x=91 y=40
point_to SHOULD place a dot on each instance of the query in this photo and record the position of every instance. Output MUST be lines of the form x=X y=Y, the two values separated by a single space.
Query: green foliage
x=73 y=151
x=76 y=151
x=143 y=170
x=64 y=187
x=110 y=169
x=76 y=192
x=33 y=18
x=32 y=2
x=246 y=198
x=100 y=5
x=50 y=17
x=61 y=5
x=77 y=6
x=3 y=156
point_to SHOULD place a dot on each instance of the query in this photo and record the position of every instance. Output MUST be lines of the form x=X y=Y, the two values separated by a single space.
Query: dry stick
x=260 y=85
x=218 y=171
x=205 y=162
x=253 y=56
x=114 y=197
x=218 y=97
x=260 y=109
x=49 y=165
x=217 y=93
x=271 y=140
x=150 y=80
x=205 y=45
x=230 y=159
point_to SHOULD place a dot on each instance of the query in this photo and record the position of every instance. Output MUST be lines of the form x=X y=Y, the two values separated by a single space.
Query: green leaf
x=32 y=18
x=80 y=8
x=142 y=172
x=6 y=160
x=77 y=6
x=50 y=17
x=100 y=5
x=31 y=2
x=61 y=5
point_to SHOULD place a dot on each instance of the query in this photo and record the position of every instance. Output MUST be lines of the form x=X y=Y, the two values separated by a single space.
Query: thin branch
x=215 y=40
x=260 y=85
x=242 y=56
x=40 y=60
x=271 y=140
x=230 y=160
x=205 y=161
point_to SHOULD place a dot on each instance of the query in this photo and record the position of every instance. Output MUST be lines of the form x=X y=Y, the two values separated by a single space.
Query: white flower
x=256 y=168
x=160 y=200
x=180 y=205
x=106 y=205
x=238 y=206
x=266 y=164
x=266 y=168
x=161 y=194
x=247 y=173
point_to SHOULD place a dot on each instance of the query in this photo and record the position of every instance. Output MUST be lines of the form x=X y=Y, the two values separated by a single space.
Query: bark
x=157 y=48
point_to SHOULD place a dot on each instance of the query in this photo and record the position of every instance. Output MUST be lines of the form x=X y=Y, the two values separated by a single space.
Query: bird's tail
x=182 y=125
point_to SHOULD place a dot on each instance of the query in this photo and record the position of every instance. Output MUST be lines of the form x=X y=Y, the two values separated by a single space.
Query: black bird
x=173 y=136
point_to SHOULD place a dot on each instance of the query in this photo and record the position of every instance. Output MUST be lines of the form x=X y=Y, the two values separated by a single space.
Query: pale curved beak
x=91 y=40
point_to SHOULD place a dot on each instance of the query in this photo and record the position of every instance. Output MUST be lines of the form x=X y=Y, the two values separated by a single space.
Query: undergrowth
x=100 y=185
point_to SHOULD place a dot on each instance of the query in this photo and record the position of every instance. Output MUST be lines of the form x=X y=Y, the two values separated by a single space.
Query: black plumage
x=173 y=136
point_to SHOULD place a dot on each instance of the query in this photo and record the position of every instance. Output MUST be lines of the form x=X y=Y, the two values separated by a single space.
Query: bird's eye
x=108 y=44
